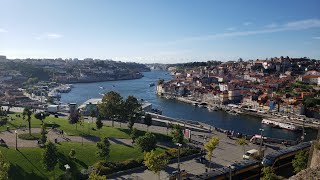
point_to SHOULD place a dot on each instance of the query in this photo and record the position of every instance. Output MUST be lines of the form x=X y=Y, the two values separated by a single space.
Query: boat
x=232 y=112
x=282 y=125
x=101 y=87
x=212 y=108
x=151 y=84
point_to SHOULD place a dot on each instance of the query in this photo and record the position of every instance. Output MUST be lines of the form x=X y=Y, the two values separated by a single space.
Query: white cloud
x=3 y=30
x=272 y=25
x=231 y=29
x=290 y=26
x=247 y=23
x=48 y=36
x=318 y=38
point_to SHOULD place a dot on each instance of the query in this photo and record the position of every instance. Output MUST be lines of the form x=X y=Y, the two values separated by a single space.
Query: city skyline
x=159 y=31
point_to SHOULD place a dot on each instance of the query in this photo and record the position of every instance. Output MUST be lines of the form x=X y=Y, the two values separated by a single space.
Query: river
x=140 y=89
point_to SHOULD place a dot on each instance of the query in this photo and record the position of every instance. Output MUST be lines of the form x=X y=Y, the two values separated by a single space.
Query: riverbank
x=306 y=122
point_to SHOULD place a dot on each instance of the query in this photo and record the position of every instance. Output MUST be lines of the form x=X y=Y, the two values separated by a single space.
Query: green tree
x=242 y=142
x=50 y=156
x=268 y=174
x=148 y=120
x=104 y=148
x=4 y=168
x=210 y=146
x=75 y=118
x=300 y=161
x=155 y=162
x=133 y=110
x=95 y=176
x=43 y=138
x=99 y=123
x=111 y=106
x=27 y=112
x=72 y=153
x=41 y=116
x=147 y=142
x=177 y=134
x=134 y=134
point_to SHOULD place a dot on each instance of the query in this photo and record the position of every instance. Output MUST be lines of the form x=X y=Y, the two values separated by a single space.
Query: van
x=250 y=154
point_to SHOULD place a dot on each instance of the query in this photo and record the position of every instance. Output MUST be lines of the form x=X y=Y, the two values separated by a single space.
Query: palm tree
x=27 y=112
x=210 y=146
x=242 y=142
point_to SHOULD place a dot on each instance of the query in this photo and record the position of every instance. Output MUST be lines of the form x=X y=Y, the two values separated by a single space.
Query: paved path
x=10 y=138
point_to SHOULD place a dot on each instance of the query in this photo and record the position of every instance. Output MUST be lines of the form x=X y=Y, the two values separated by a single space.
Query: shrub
x=27 y=136
x=106 y=168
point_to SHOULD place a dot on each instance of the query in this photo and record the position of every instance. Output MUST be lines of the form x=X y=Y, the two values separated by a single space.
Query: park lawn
x=70 y=129
x=26 y=163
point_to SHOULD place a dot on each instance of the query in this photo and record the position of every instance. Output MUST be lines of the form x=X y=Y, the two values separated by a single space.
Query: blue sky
x=159 y=30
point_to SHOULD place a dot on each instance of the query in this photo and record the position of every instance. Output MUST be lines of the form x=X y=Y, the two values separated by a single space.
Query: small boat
x=101 y=87
x=151 y=84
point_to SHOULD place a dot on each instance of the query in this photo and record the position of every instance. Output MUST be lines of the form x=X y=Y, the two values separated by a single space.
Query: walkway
x=10 y=138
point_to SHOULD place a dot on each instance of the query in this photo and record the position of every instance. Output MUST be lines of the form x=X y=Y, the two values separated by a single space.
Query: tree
x=148 y=120
x=4 y=168
x=155 y=162
x=210 y=146
x=177 y=134
x=104 y=148
x=50 y=156
x=268 y=174
x=40 y=115
x=72 y=153
x=95 y=176
x=242 y=142
x=43 y=138
x=147 y=142
x=99 y=123
x=27 y=112
x=74 y=118
x=133 y=110
x=134 y=134
x=111 y=106
x=300 y=161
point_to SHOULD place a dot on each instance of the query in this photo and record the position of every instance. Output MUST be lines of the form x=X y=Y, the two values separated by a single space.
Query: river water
x=140 y=89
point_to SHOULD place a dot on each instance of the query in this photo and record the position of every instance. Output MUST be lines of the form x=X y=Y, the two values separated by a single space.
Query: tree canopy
x=155 y=162
x=147 y=142
x=104 y=148
x=111 y=106
x=300 y=161
x=177 y=134
x=50 y=156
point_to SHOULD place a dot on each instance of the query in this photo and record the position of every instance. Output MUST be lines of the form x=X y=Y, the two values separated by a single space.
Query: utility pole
x=179 y=173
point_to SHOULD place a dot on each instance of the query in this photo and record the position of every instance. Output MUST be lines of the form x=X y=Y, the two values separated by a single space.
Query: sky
x=163 y=31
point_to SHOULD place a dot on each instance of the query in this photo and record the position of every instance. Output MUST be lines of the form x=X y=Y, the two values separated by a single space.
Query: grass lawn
x=70 y=129
x=26 y=163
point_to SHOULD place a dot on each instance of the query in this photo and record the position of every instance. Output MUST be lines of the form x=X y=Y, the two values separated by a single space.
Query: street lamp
x=16 y=139
x=179 y=146
x=231 y=168
x=88 y=127
x=260 y=148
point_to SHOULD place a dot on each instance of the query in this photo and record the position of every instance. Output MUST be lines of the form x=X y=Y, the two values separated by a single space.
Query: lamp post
x=231 y=168
x=16 y=139
x=179 y=146
x=88 y=127
x=260 y=148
